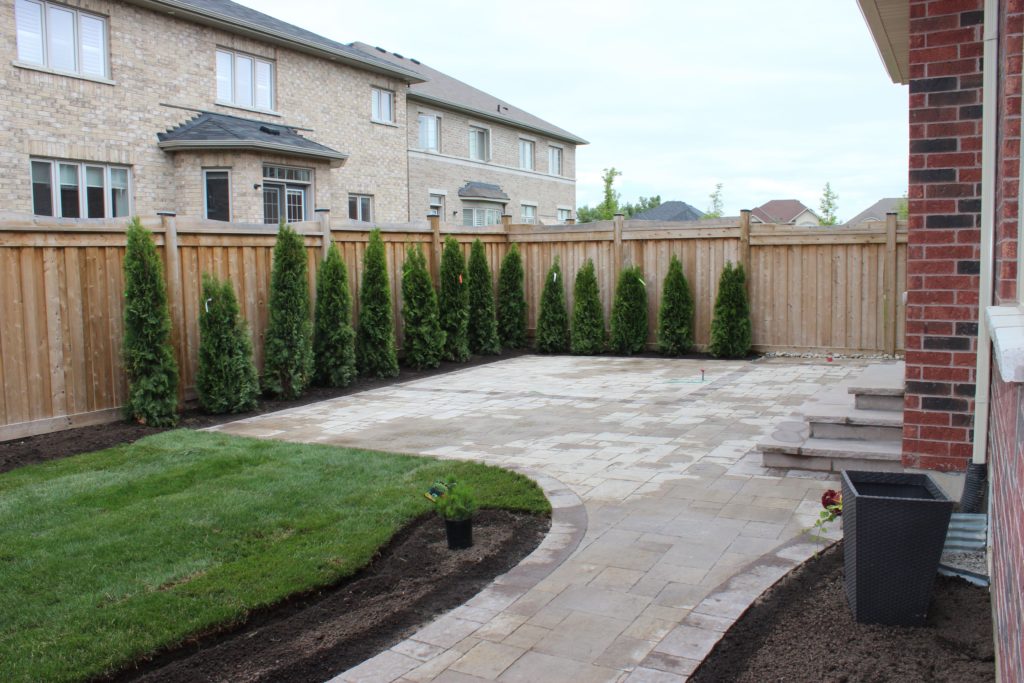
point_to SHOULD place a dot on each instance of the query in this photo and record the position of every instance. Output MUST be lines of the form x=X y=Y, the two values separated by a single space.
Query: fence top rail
x=22 y=222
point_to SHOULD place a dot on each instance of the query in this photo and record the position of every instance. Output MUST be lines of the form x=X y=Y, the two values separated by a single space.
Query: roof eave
x=336 y=159
x=889 y=23
x=233 y=25
x=421 y=97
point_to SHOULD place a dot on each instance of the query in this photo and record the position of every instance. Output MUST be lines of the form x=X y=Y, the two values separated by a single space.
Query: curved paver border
x=429 y=651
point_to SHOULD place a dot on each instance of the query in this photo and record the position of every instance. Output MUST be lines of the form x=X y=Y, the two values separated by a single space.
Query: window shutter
x=92 y=34
x=29 y=23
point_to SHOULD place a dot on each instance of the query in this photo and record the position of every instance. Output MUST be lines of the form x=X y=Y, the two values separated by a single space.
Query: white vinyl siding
x=61 y=38
x=245 y=81
x=382 y=109
x=526 y=154
x=72 y=189
x=555 y=160
x=479 y=144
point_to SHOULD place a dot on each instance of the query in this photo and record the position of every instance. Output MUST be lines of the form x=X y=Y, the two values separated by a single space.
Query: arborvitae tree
x=333 y=337
x=553 y=321
x=675 y=317
x=483 y=328
x=453 y=302
x=148 y=357
x=288 y=366
x=375 y=341
x=424 y=339
x=226 y=381
x=511 y=310
x=587 y=313
x=629 y=312
x=730 y=325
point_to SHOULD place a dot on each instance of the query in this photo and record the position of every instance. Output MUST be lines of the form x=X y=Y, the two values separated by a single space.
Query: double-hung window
x=382 y=105
x=564 y=215
x=61 y=38
x=528 y=213
x=429 y=126
x=74 y=189
x=479 y=144
x=555 y=160
x=360 y=207
x=244 y=80
x=526 y=154
x=287 y=193
x=480 y=216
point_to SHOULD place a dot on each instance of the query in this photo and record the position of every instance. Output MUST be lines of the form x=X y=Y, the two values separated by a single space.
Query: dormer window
x=244 y=80
x=61 y=39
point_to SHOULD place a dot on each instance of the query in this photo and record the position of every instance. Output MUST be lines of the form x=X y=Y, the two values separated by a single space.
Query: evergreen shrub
x=629 y=313
x=511 y=308
x=288 y=365
x=453 y=302
x=552 y=320
x=376 y=354
x=482 y=331
x=424 y=339
x=675 y=317
x=226 y=381
x=588 y=335
x=730 y=324
x=334 y=349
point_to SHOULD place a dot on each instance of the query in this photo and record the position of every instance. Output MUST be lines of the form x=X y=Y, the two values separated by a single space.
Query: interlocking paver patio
x=665 y=524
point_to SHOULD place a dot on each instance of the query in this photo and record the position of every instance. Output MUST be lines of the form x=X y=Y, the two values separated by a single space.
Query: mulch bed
x=317 y=636
x=802 y=630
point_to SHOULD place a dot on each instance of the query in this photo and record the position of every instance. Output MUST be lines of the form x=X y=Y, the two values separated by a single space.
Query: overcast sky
x=772 y=99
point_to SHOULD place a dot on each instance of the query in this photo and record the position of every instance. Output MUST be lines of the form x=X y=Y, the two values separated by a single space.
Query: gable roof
x=221 y=131
x=442 y=90
x=477 y=190
x=780 y=211
x=670 y=211
x=235 y=18
x=877 y=211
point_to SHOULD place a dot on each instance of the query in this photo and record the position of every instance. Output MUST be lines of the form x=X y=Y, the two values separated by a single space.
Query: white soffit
x=889 y=23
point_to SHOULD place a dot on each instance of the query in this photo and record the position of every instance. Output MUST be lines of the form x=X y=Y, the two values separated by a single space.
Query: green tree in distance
x=828 y=205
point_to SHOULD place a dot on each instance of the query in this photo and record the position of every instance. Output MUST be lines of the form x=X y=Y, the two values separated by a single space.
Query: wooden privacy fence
x=62 y=289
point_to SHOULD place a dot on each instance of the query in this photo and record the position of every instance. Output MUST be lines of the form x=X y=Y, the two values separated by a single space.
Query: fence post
x=506 y=221
x=744 y=253
x=570 y=221
x=172 y=274
x=617 y=223
x=435 y=247
x=891 y=292
x=323 y=216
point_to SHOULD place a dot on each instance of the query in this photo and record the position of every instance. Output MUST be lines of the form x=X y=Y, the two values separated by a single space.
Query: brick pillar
x=943 y=236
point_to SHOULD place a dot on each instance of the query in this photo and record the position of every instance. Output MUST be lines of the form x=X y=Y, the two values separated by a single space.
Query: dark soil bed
x=314 y=637
x=802 y=630
x=35 y=449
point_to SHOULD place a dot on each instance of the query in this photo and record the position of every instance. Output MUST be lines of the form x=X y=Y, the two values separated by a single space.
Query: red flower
x=832 y=498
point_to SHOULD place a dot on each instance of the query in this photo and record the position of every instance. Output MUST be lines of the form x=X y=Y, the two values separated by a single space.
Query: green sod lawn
x=109 y=555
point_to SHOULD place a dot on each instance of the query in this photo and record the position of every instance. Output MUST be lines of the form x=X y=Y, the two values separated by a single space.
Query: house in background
x=877 y=211
x=461 y=139
x=784 y=212
x=670 y=211
x=964 y=402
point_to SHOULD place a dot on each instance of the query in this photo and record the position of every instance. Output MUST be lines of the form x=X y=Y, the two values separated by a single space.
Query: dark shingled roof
x=780 y=211
x=475 y=190
x=220 y=131
x=877 y=211
x=670 y=211
x=443 y=90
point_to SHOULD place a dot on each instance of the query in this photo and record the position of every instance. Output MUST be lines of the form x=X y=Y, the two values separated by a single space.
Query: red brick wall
x=1006 y=424
x=943 y=252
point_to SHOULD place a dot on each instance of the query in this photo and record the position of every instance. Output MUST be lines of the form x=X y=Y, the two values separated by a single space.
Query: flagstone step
x=832 y=455
x=879 y=387
x=834 y=421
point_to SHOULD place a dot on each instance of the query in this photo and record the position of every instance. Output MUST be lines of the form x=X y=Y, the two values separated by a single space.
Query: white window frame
x=206 y=205
x=480 y=215
x=377 y=97
x=46 y=49
x=556 y=152
x=436 y=203
x=485 y=133
x=359 y=197
x=291 y=182
x=233 y=101
x=420 y=118
x=83 y=202
x=564 y=215
x=527 y=154
x=528 y=213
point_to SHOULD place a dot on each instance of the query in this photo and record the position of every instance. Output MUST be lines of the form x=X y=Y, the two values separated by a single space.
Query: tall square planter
x=894 y=526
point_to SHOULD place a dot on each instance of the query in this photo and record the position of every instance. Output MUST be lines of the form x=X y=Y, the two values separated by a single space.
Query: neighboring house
x=461 y=138
x=207 y=108
x=669 y=211
x=965 y=264
x=877 y=211
x=784 y=212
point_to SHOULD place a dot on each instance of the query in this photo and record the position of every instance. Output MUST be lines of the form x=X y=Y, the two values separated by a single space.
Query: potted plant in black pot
x=894 y=526
x=455 y=504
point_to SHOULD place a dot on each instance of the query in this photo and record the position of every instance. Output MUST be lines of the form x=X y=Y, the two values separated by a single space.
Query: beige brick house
x=206 y=108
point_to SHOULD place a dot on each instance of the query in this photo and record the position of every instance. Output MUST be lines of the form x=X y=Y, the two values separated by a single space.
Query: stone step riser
x=856 y=432
x=878 y=402
x=826 y=464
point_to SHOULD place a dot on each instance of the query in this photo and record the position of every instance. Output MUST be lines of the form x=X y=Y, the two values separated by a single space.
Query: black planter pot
x=459 y=533
x=894 y=526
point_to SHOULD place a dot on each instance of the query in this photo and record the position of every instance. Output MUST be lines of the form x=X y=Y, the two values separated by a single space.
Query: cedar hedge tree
x=148 y=357
x=730 y=324
x=226 y=381
x=288 y=366
x=553 y=321
x=629 y=313
x=424 y=339
x=588 y=335
x=511 y=308
x=483 y=327
x=334 y=348
x=453 y=302
x=675 y=317
x=375 y=342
